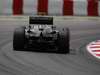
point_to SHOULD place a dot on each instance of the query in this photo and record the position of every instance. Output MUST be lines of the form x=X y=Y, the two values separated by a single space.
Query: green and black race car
x=41 y=34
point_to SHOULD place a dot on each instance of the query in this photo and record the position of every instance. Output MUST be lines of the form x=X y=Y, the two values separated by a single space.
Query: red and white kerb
x=94 y=48
x=50 y=7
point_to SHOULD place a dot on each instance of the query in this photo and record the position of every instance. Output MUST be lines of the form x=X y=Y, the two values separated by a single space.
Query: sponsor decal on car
x=94 y=48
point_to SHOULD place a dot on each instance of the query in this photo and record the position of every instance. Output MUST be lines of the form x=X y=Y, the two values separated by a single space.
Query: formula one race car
x=41 y=34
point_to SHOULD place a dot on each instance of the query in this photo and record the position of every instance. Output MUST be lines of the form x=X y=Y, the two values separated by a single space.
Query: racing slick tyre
x=64 y=41
x=19 y=38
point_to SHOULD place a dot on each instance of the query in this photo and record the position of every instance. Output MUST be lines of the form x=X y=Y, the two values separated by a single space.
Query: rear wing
x=41 y=20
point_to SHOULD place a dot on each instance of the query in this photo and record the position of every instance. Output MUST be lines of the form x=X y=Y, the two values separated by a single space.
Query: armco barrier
x=58 y=18
x=50 y=7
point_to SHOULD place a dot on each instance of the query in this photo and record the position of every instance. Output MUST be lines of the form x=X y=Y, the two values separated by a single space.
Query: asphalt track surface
x=78 y=62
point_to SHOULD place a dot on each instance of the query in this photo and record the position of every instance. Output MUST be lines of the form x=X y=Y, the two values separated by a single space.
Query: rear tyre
x=19 y=38
x=64 y=41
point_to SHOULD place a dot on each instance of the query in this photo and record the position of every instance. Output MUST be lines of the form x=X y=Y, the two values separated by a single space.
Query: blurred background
x=50 y=7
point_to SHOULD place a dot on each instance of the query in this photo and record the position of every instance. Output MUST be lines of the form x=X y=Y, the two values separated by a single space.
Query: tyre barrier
x=50 y=7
